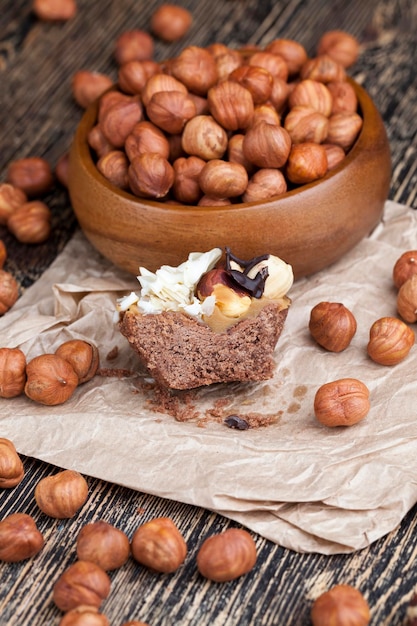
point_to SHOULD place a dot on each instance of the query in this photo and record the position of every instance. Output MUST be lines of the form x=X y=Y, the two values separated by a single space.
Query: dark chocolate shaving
x=255 y=286
x=234 y=421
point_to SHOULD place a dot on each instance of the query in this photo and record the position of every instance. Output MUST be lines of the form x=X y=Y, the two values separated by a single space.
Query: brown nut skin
x=118 y=120
x=103 y=544
x=335 y=155
x=11 y=467
x=20 y=538
x=271 y=62
x=87 y=86
x=12 y=372
x=332 y=325
x=227 y=556
x=257 y=80
x=407 y=300
x=294 y=54
x=342 y=605
x=114 y=165
x=231 y=105
x=170 y=22
x=150 y=175
x=9 y=291
x=390 y=341
x=170 y=110
x=342 y=402
x=50 y=380
x=61 y=495
x=32 y=174
x=82 y=355
x=11 y=198
x=186 y=187
x=196 y=68
x=31 y=222
x=82 y=583
x=145 y=137
x=159 y=545
x=204 y=137
x=307 y=162
x=84 y=616
x=340 y=45
x=404 y=267
x=3 y=253
x=265 y=183
x=312 y=93
x=344 y=97
x=133 y=45
x=343 y=129
x=53 y=10
x=61 y=169
x=305 y=124
x=223 y=179
x=323 y=68
x=266 y=145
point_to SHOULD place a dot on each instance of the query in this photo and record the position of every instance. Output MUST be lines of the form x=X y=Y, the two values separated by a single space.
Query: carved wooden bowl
x=310 y=227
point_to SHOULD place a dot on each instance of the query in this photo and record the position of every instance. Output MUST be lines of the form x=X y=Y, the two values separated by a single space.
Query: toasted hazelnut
x=335 y=155
x=11 y=198
x=201 y=105
x=204 y=137
x=227 y=556
x=132 y=77
x=12 y=372
x=11 y=466
x=132 y=45
x=62 y=168
x=196 y=68
x=32 y=174
x=227 y=62
x=266 y=145
x=265 y=183
x=82 y=356
x=150 y=175
x=170 y=110
x=51 y=10
x=159 y=545
x=87 y=86
x=293 y=53
x=83 y=583
x=175 y=148
x=61 y=495
x=235 y=152
x=97 y=141
x=186 y=187
x=170 y=22
x=103 y=544
x=312 y=93
x=323 y=68
x=223 y=179
x=231 y=105
x=9 y=291
x=266 y=113
x=407 y=300
x=50 y=379
x=340 y=605
x=279 y=94
x=332 y=325
x=307 y=162
x=343 y=129
x=342 y=402
x=109 y=99
x=3 y=253
x=161 y=82
x=344 y=97
x=217 y=49
x=209 y=201
x=257 y=80
x=31 y=222
x=305 y=124
x=390 y=341
x=146 y=138
x=273 y=63
x=119 y=119
x=231 y=299
x=340 y=45
x=405 y=267
x=114 y=166
x=20 y=538
x=84 y=616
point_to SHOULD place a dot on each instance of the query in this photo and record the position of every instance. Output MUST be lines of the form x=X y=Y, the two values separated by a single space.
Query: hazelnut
x=50 y=379
x=3 y=253
x=390 y=341
x=132 y=77
x=405 y=267
x=83 y=583
x=312 y=93
x=272 y=63
x=344 y=97
x=305 y=124
x=12 y=372
x=61 y=169
x=323 y=68
x=161 y=82
x=159 y=545
x=97 y=141
x=87 y=87
x=118 y=120
x=9 y=291
x=114 y=165
x=201 y=105
x=257 y=80
x=211 y=202
x=335 y=155
x=109 y=99
x=53 y=10
x=144 y=138
x=265 y=183
x=235 y=152
x=84 y=616
x=32 y=174
x=134 y=623
x=332 y=325
x=307 y=162
x=266 y=145
x=61 y=495
x=186 y=187
x=340 y=605
x=217 y=49
x=31 y=222
x=170 y=22
x=279 y=94
x=339 y=45
x=227 y=556
x=11 y=466
x=407 y=300
x=103 y=544
x=132 y=45
x=20 y=538
x=230 y=298
x=82 y=355
x=170 y=110
x=223 y=179
x=293 y=53
x=150 y=175
x=231 y=105
x=196 y=68
x=11 y=198
x=204 y=137
x=267 y=113
x=342 y=402
x=227 y=62
x=343 y=129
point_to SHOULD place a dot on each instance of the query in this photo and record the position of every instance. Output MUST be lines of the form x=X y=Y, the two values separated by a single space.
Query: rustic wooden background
x=37 y=118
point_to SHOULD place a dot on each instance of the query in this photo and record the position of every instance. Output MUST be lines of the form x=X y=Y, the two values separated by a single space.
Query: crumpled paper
x=302 y=485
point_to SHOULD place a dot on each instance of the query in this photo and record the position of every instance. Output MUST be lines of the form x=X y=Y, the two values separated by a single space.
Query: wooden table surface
x=37 y=118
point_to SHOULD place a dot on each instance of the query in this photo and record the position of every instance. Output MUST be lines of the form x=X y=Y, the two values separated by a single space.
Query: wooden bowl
x=310 y=227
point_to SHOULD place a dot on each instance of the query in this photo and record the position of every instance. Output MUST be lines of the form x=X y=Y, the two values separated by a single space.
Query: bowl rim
x=367 y=110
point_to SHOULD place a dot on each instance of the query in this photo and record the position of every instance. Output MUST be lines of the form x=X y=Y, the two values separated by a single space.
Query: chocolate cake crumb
x=116 y=372
x=113 y=354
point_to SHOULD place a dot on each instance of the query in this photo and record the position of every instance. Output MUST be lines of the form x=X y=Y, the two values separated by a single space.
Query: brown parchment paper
x=297 y=483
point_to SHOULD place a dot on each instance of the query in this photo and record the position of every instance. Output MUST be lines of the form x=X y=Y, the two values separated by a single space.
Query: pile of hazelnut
x=215 y=126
